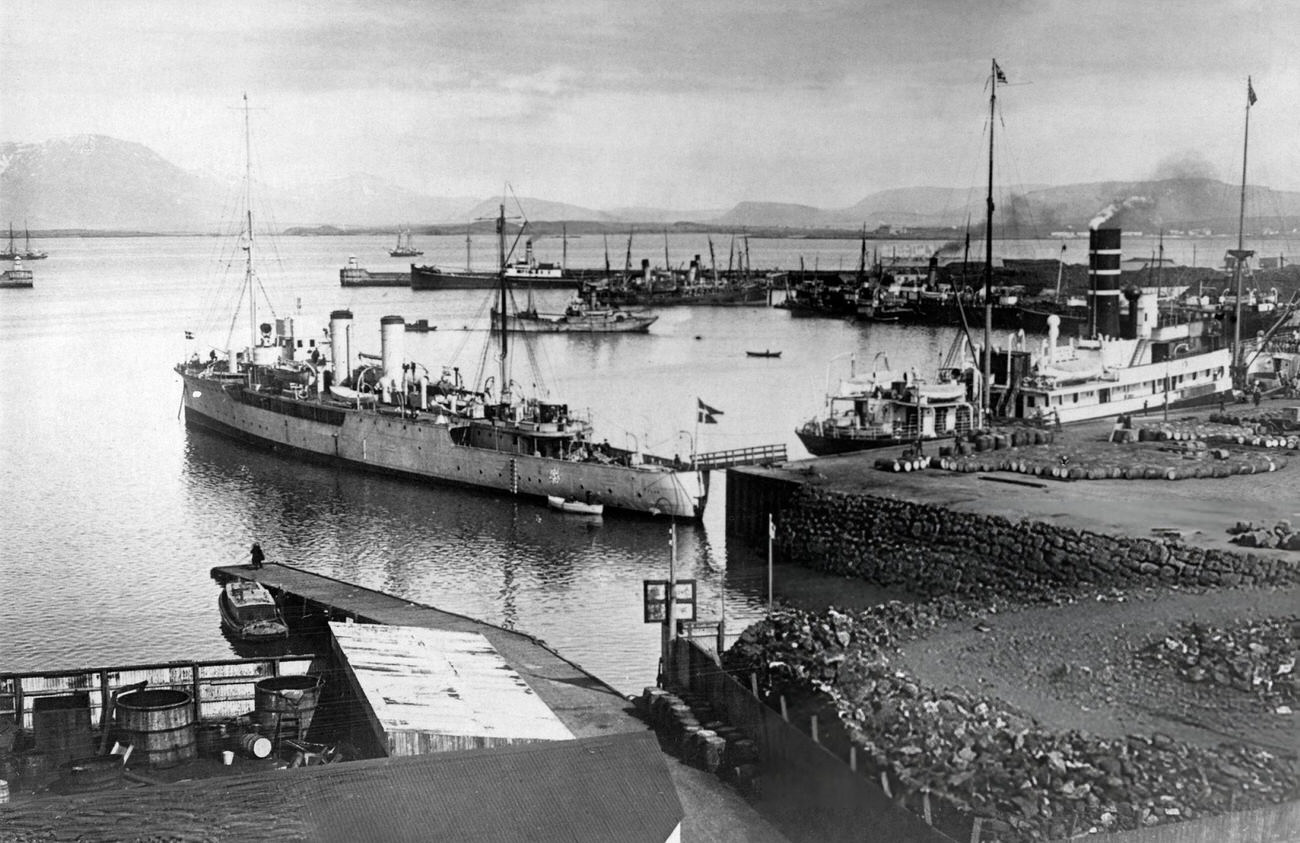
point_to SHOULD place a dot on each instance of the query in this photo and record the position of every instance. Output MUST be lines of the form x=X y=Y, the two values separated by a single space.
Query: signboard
x=656 y=600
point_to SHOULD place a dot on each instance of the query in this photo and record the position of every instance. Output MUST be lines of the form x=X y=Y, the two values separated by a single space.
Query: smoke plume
x=1108 y=212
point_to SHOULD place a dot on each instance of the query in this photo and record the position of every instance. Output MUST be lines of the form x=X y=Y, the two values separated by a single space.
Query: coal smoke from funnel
x=1110 y=211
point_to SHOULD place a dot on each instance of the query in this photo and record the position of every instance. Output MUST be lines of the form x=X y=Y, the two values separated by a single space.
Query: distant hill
x=94 y=181
x=536 y=209
x=98 y=183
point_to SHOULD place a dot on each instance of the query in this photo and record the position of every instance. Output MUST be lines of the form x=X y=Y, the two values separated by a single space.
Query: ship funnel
x=1053 y=334
x=645 y=271
x=1132 y=294
x=392 y=334
x=1103 y=276
x=341 y=345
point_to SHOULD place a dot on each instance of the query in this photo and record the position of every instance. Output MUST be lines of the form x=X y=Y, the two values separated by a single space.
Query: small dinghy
x=588 y=507
x=762 y=354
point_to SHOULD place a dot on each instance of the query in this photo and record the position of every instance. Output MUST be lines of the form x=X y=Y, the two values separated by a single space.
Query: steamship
x=1126 y=362
x=302 y=396
x=321 y=399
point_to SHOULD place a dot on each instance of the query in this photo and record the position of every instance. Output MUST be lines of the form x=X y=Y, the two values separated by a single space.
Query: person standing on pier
x=256 y=555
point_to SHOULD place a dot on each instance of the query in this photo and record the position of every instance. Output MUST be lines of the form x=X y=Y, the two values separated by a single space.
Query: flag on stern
x=1250 y=93
x=706 y=413
x=998 y=74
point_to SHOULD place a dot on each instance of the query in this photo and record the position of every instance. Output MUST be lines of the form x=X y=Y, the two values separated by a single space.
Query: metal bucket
x=285 y=705
x=159 y=724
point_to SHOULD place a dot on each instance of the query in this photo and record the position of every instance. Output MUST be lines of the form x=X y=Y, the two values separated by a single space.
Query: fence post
x=853 y=758
x=925 y=805
x=884 y=783
x=785 y=715
x=814 y=729
x=753 y=684
x=976 y=828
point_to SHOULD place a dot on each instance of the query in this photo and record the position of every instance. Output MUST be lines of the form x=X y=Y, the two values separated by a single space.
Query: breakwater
x=933 y=550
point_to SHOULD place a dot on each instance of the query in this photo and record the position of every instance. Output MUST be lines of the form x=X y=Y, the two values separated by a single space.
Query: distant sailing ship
x=28 y=253
x=404 y=248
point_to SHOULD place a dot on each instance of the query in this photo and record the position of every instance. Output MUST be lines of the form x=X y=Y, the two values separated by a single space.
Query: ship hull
x=583 y=324
x=425 y=450
x=429 y=278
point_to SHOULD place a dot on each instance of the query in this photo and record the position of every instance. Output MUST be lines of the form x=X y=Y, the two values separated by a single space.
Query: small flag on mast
x=706 y=413
x=1250 y=93
x=998 y=74
x=189 y=335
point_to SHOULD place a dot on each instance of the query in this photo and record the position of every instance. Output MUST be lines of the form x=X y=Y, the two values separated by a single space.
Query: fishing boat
x=579 y=317
x=404 y=248
x=575 y=506
x=762 y=354
x=249 y=612
x=528 y=270
x=888 y=408
x=318 y=397
x=1119 y=366
x=17 y=276
x=28 y=253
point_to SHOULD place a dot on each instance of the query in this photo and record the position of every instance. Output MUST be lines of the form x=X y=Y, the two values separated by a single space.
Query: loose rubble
x=983 y=758
x=1257 y=658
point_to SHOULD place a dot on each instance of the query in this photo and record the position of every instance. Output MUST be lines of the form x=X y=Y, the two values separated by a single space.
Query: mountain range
x=100 y=183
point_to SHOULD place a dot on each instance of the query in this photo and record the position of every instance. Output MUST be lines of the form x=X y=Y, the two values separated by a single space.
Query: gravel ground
x=1076 y=666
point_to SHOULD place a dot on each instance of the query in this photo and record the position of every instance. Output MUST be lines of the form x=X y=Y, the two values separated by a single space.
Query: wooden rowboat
x=762 y=354
x=575 y=506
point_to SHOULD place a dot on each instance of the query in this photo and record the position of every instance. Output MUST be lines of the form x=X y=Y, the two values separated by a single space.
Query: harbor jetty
x=1077 y=646
x=479 y=731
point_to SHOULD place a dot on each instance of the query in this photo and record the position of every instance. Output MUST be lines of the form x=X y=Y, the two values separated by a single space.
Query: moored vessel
x=249 y=612
x=322 y=399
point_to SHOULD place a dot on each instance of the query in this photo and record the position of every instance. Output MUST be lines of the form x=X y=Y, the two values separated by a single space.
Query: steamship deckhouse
x=1139 y=365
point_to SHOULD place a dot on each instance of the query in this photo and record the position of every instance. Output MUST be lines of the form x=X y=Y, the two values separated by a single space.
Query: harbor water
x=114 y=512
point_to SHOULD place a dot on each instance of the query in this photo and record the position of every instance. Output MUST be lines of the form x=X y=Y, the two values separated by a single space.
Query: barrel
x=254 y=745
x=284 y=705
x=213 y=737
x=159 y=723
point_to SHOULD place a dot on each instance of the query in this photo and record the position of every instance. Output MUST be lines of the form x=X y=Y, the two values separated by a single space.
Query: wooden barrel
x=159 y=723
x=254 y=745
x=285 y=705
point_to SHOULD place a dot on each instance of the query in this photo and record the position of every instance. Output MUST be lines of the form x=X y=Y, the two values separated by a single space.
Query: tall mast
x=1240 y=253
x=468 y=263
x=994 y=76
x=248 y=247
x=501 y=267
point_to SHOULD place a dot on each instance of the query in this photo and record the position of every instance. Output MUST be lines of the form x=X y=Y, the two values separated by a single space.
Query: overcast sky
x=671 y=104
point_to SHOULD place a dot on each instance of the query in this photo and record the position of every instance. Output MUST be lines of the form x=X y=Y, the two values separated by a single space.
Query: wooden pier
x=585 y=705
x=753 y=455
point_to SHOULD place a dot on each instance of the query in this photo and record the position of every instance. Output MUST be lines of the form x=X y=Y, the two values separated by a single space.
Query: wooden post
x=884 y=783
x=853 y=758
x=976 y=828
x=814 y=729
x=785 y=715
x=753 y=684
x=925 y=805
x=194 y=689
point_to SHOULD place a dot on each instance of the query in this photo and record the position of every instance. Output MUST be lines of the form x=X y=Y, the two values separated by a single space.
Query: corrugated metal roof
x=443 y=682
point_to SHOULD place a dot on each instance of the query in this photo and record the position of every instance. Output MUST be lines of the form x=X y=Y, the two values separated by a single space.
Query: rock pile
x=1257 y=658
x=980 y=757
x=1280 y=535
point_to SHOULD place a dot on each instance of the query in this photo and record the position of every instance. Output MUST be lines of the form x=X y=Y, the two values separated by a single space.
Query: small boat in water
x=762 y=354
x=573 y=505
x=404 y=248
x=249 y=612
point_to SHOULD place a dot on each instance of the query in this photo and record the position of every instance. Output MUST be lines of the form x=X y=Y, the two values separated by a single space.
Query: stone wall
x=930 y=550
